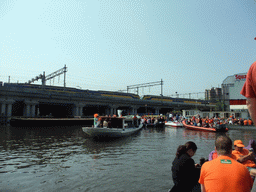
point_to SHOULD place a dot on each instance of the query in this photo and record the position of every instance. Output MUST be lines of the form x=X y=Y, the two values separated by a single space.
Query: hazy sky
x=110 y=44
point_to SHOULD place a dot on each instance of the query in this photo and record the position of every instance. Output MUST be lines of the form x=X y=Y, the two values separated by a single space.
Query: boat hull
x=222 y=129
x=158 y=125
x=110 y=132
x=241 y=126
x=174 y=124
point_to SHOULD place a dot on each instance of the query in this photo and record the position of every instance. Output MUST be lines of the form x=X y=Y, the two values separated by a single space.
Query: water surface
x=64 y=159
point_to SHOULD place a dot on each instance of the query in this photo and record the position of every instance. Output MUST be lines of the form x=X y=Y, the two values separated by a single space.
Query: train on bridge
x=75 y=91
x=20 y=99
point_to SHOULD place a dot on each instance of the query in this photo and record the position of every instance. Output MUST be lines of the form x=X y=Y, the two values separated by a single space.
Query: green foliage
x=220 y=105
x=175 y=112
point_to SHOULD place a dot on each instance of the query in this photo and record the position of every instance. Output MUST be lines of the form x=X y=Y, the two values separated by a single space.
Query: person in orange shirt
x=245 y=122
x=224 y=173
x=214 y=155
x=243 y=155
x=249 y=122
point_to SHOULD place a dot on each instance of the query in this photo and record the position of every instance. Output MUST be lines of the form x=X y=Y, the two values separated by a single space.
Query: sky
x=111 y=44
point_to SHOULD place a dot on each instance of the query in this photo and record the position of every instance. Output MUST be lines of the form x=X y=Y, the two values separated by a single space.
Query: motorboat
x=219 y=128
x=116 y=127
x=174 y=124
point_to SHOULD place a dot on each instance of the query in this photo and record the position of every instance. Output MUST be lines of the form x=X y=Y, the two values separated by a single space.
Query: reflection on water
x=204 y=135
x=65 y=159
x=36 y=147
x=93 y=146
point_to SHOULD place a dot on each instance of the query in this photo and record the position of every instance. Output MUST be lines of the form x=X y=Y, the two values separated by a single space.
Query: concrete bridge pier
x=81 y=106
x=157 y=109
x=30 y=108
x=134 y=110
x=75 y=110
x=113 y=110
x=108 y=111
x=6 y=107
x=9 y=107
x=3 y=107
x=78 y=109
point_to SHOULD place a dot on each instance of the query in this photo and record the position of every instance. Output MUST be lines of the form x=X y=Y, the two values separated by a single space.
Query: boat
x=174 y=124
x=233 y=126
x=119 y=127
x=220 y=128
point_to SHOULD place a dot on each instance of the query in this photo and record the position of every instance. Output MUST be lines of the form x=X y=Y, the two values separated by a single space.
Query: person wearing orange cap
x=96 y=120
x=244 y=156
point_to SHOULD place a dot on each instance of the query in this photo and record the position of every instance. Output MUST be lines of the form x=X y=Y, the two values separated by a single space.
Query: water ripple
x=64 y=160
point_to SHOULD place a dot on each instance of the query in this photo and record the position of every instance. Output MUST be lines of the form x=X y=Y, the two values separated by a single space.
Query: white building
x=231 y=88
x=235 y=102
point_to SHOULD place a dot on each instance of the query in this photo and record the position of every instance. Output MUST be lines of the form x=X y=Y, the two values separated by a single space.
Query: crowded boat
x=215 y=121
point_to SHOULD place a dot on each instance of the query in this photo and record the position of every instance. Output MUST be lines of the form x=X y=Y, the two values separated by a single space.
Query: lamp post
x=224 y=97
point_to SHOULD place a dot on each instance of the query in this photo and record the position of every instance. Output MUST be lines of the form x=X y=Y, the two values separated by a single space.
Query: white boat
x=119 y=127
x=174 y=124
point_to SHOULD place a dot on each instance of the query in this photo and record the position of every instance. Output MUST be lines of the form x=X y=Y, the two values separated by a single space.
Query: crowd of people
x=212 y=122
x=225 y=170
x=215 y=121
x=195 y=120
x=152 y=120
x=110 y=121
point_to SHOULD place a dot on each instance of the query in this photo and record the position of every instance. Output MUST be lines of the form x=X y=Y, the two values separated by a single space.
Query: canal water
x=64 y=159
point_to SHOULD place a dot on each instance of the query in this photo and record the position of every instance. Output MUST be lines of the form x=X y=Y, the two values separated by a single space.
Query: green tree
x=220 y=105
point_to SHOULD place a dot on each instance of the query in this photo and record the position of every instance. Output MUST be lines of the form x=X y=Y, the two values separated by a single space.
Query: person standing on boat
x=224 y=173
x=96 y=120
x=185 y=175
x=170 y=117
x=105 y=123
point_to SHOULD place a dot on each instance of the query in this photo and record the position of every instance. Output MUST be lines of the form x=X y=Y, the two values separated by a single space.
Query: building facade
x=213 y=94
x=231 y=88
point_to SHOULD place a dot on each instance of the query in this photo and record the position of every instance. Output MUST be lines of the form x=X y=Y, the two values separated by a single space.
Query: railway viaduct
x=28 y=100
